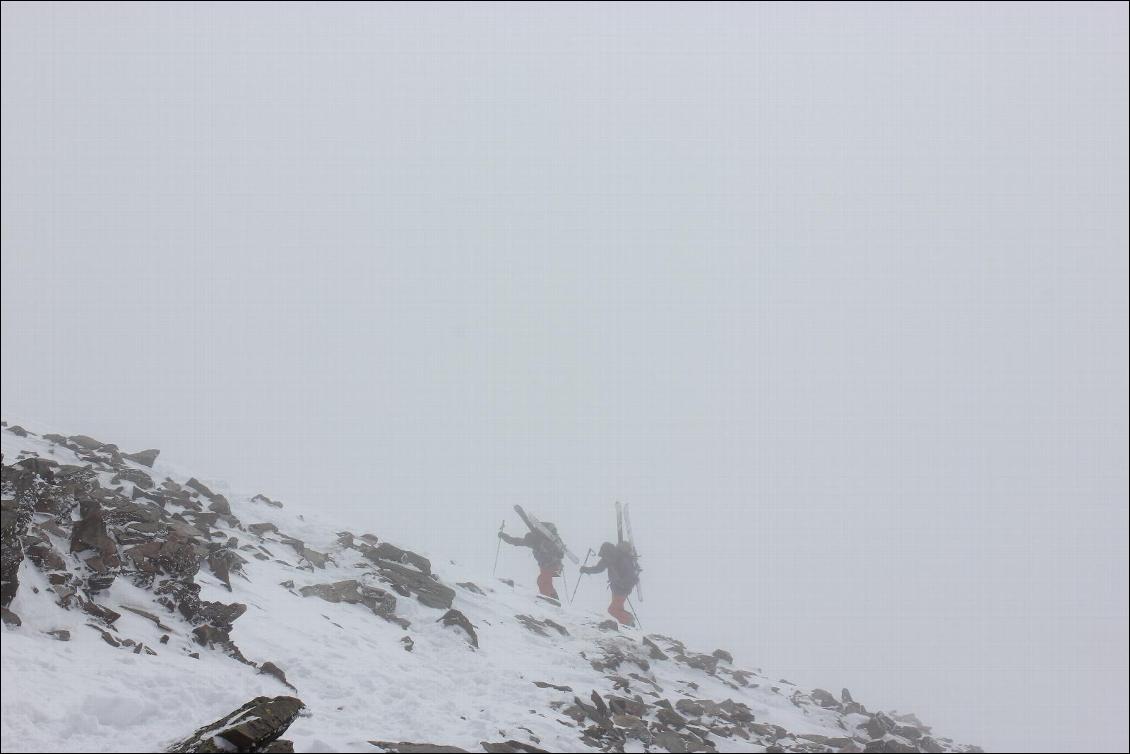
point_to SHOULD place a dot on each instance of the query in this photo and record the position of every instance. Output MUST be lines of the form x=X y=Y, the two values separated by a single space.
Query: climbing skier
x=623 y=575
x=547 y=553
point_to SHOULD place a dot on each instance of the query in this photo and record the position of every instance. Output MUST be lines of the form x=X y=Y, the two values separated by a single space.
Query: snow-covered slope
x=108 y=647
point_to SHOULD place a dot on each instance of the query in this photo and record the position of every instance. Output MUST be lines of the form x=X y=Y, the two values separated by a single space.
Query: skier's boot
x=617 y=611
x=545 y=584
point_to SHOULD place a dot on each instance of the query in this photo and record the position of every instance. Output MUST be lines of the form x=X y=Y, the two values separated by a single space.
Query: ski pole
x=498 y=550
x=582 y=573
x=565 y=579
x=634 y=613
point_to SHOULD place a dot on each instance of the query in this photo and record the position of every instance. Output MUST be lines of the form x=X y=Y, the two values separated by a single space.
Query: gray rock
x=143 y=457
x=353 y=592
x=407 y=747
x=250 y=728
x=825 y=699
x=723 y=655
x=510 y=747
x=13 y=524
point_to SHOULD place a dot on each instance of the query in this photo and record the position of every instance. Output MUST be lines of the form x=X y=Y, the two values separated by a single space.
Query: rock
x=60 y=634
x=470 y=587
x=671 y=741
x=176 y=557
x=540 y=627
x=99 y=612
x=878 y=725
x=510 y=747
x=279 y=746
x=623 y=706
x=266 y=501
x=690 y=708
x=261 y=529
x=196 y=484
x=17 y=430
x=706 y=663
x=406 y=580
x=723 y=655
x=845 y=696
x=148 y=616
x=135 y=476
x=93 y=544
x=825 y=699
x=455 y=618
x=273 y=670
x=250 y=728
x=220 y=505
x=315 y=558
x=9 y=617
x=106 y=636
x=85 y=442
x=890 y=745
x=407 y=643
x=912 y=720
x=13 y=524
x=653 y=650
x=608 y=625
x=353 y=592
x=405 y=747
x=544 y=685
x=222 y=560
x=388 y=551
x=143 y=457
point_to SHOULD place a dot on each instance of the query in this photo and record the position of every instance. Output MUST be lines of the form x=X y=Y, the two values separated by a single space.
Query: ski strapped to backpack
x=541 y=528
x=624 y=521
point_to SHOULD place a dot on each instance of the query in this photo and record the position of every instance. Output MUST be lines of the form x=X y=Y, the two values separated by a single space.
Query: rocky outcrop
x=408 y=573
x=406 y=747
x=13 y=523
x=251 y=728
x=353 y=592
x=143 y=457
x=459 y=620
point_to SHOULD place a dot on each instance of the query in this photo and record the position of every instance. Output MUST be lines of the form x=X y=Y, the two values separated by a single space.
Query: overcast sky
x=834 y=296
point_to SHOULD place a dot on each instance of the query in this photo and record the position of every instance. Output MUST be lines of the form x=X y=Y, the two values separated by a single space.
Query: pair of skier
x=619 y=560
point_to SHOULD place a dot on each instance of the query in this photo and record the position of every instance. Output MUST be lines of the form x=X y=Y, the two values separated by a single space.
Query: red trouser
x=617 y=611
x=545 y=582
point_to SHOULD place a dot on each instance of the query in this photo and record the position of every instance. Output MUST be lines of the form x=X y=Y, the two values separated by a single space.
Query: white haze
x=834 y=295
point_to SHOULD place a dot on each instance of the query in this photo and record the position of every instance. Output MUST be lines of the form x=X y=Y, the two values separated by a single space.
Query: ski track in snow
x=348 y=665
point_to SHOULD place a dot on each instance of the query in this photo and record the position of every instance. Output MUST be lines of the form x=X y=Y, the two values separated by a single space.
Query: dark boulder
x=251 y=728
x=13 y=524
x=273 y=670
x=455 y=618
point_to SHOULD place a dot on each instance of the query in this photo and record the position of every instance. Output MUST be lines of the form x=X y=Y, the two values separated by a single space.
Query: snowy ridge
x=141 y=604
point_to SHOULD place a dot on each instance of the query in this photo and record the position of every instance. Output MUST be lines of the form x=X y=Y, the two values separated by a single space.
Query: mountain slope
x=141 y=603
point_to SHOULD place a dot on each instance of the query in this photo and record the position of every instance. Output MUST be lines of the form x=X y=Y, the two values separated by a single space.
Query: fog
x=835 y=296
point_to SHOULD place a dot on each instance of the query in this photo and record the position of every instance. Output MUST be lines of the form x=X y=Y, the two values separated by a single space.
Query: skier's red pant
x=545 y=582
x=617 y=611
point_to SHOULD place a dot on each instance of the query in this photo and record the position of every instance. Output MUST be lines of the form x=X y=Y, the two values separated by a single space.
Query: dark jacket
x=623 y=569
x=546 y=552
